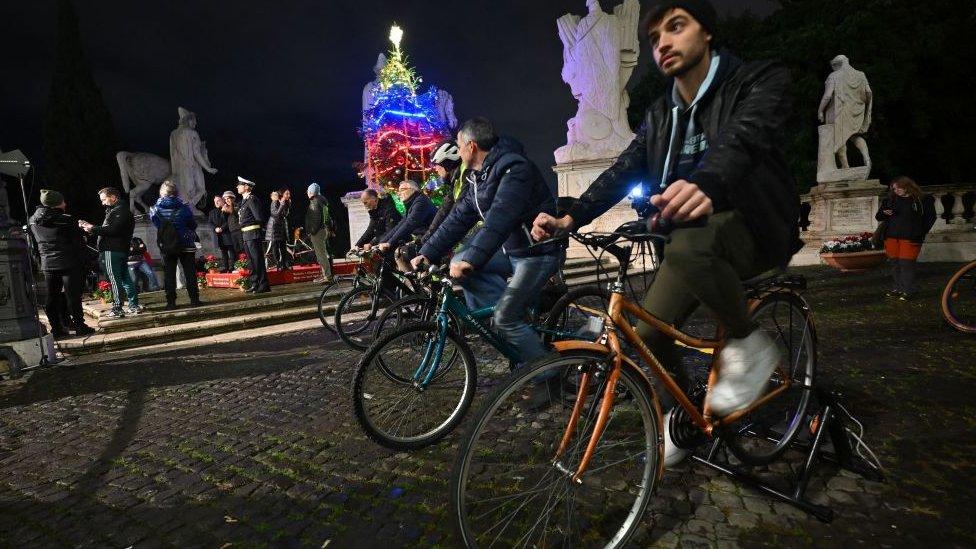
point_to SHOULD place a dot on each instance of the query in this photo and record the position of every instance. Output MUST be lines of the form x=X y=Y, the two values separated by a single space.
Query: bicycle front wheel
x=764 y=434
x=959 y=300
x=392 y=404
x=508 y=489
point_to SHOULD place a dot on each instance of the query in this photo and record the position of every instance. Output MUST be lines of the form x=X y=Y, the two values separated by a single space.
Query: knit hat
x=314 y=188
x=229 y=194
x=51 y=198
x=702 y=10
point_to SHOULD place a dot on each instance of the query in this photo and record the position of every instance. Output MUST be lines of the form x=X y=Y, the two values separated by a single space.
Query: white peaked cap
x=246 y=181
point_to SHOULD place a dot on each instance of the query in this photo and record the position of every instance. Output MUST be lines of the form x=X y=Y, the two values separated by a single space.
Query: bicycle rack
x=832 y=419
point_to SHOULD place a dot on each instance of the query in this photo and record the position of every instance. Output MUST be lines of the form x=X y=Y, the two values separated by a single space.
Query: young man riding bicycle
x=507 y=194
x=710 y=151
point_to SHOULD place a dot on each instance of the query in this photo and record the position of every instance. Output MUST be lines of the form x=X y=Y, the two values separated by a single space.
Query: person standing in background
x=317 y=221
x=250 y=214
x=114 y=238
x=60 y=243
x=170 y=209
x=908 y=214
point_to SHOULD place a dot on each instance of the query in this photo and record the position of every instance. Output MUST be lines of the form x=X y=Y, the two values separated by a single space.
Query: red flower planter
x=854 y=262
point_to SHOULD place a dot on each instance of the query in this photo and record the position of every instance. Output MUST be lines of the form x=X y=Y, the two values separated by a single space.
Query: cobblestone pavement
x=254 y=444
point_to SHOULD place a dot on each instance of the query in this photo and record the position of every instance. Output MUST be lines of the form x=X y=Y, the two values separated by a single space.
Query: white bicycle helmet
x=446 y=154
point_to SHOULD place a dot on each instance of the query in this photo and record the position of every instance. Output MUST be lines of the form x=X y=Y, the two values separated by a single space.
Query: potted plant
x=103 y=291
x=851 y=253
x=210 y=264
x=202 y=279
x=241 y=263
x=244 y=283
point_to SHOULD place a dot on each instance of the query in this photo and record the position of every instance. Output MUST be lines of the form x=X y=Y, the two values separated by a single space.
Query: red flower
x=210 y=258
x=242 y=256
x=104 y=285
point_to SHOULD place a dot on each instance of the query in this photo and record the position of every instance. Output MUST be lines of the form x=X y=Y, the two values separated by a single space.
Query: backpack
x=168 y=239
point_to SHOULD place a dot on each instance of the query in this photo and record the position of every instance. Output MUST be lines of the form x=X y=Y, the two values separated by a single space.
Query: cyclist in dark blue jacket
x=420 y=212
x=507 y=195
x=170 y=208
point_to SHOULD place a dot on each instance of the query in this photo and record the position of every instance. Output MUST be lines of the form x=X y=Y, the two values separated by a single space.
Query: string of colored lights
x=401 y=127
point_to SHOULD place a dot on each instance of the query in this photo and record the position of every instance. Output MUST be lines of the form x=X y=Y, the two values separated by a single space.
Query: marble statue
x=372 y=89
x=140 y=172
x=599 y=54
x=188 y=159
x=845 y=112
x=445 y=110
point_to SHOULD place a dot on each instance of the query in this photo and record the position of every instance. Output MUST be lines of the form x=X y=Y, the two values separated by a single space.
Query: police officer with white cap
x=251 y=217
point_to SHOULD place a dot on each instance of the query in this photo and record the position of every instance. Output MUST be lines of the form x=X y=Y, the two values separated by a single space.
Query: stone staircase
x=230 y=311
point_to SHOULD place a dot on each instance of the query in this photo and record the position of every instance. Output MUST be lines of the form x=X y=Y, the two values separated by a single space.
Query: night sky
x=277 y=85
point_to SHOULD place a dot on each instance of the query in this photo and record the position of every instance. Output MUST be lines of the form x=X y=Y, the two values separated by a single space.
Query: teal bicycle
x=415 y=383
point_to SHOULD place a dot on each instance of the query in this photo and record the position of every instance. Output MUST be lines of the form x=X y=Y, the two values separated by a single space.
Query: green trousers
x=117 y=273
x=702 y=265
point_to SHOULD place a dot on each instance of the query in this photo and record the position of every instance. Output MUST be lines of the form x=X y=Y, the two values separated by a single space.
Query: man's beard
x=683 y=68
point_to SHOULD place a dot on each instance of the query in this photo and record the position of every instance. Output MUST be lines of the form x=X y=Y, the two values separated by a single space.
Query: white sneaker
x=673 y=455
x=744 y=367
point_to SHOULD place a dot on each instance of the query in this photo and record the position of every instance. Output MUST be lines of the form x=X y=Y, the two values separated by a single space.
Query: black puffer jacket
x=115 y=233
x=911 y=219
x=420 y=211
x=742 y=115
x=60 y=242
x=277 y=226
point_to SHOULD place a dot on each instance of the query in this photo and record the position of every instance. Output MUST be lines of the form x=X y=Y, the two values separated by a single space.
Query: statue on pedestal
x=188 y=159
x=845 y=112
x=599 y=54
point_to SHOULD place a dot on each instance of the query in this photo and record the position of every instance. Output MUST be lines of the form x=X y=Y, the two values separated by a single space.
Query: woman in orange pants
x=909 y=214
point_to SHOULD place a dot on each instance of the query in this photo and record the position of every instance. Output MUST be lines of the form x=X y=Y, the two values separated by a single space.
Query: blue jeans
x=147 y=271
x=487 y=286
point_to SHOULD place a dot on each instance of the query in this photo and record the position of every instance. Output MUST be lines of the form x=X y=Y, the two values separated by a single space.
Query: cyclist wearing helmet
x=447 y=163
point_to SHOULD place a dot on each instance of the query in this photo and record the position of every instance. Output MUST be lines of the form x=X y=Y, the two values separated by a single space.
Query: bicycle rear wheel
x=764 y=434
x=959 y=299
x=356 y=313
x=505 y=489
x=577 y=315
x=395 y=411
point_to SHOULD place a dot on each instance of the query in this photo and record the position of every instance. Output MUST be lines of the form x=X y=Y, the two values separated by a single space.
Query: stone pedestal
x=358 y=216
x=573 y=179
x=147 y=232
x=17 y=320
x=838 y=208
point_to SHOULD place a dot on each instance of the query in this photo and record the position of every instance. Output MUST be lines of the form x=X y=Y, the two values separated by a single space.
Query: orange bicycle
x=581 y=470
x=959 y=299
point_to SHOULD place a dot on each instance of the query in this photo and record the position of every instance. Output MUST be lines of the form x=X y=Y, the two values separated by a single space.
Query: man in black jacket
x=383 y=216
x=114 y=237
x=251 y=217
x=419 y=213
x=507 y=195
x=317 y=222
x=710 y=150
x=447 y=163
x=60 y=243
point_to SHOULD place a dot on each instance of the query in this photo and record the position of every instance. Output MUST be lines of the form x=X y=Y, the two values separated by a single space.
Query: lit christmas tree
x=401 y=128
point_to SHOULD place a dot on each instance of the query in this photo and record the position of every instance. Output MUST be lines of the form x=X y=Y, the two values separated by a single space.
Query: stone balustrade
x=955 y=207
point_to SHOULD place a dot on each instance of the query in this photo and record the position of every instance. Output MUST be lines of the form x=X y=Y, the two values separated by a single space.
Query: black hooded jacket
x=507 y=195
x=60 y=242
x=382 y=219
x=742 y=115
